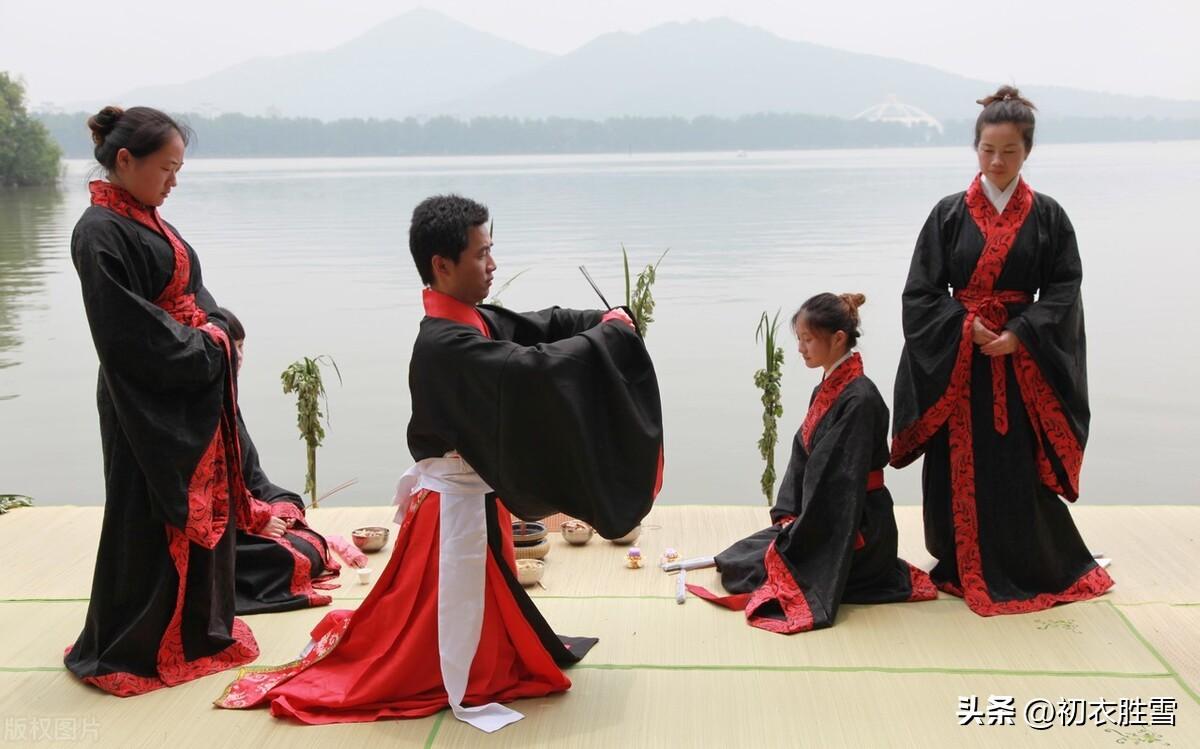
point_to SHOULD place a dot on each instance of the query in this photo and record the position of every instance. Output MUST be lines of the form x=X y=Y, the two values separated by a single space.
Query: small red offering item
x=617 y=315
x=347 y=551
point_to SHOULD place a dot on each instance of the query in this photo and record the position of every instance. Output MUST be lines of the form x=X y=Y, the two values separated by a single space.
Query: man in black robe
x=553 y=411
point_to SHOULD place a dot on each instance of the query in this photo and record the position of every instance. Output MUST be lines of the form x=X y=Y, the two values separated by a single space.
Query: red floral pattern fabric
x=251 y=685
x=981 y=300
x=214 y=491
x=780 y=587
x=828 y=392
x=923 y=588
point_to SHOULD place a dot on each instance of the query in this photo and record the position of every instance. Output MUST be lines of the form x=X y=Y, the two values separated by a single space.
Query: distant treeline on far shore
x=237 y=135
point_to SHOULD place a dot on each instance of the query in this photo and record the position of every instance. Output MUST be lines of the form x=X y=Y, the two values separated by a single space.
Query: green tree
x=28 y=155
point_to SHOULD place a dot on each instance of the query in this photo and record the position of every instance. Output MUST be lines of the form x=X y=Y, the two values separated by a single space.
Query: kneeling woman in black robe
x=282 y=563
x=833 y=537
x=162 y=604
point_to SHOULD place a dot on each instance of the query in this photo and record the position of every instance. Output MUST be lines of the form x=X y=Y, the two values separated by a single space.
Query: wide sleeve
x=1052 y=328
x=133 y=336
x=545 y=326
x=932 y=320
x=167 y=382
x=571 y=426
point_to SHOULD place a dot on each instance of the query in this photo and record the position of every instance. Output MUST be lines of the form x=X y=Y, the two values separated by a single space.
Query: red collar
x=174 y=298
x=999 y=230
x=827 y=394
x=119 y=200
x=447 y=307
x=981 y=206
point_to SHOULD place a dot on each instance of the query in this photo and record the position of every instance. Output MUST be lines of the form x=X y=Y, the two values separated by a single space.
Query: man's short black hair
x=439 y=227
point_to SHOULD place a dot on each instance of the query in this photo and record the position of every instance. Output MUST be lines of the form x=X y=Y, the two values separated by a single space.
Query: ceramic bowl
x=371 y=538
x=530 y=571
x=577 y=532
x=525 y=533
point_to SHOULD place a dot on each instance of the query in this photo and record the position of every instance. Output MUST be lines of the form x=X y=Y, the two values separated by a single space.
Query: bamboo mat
x=1080 y=638
x=665 y=674
x=762 y=709
x=178 y=718
x=1173 y=631
x=1155 y=549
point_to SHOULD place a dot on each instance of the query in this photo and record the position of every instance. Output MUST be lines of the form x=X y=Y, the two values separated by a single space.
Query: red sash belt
x=875 y=480
x=874 y=483
x=989 y=307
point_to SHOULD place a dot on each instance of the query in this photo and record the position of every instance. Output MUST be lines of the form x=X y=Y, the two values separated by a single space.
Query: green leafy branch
x=768 y=380
x=638 y=295
x=303 y=377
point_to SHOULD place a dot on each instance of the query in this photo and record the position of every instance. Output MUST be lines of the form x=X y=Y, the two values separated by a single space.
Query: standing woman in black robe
x=833 y=536
x=992 y=385
x=162 y=603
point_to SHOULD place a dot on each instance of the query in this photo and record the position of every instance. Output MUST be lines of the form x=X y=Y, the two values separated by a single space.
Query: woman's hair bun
x=103 y=122
x=1005 y=93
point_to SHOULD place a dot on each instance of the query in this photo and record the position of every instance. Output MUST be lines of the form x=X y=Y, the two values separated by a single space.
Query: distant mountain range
x=423 y=64
x=396 y=69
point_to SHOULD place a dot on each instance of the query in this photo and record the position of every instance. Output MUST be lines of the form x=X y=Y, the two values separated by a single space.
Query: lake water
x=312 y=254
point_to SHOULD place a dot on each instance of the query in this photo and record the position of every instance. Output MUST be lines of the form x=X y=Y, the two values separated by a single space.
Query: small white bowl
x=577 y=532
x=530 y=571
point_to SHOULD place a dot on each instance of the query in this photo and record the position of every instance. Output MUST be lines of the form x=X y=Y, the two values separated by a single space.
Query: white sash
x=462 y=569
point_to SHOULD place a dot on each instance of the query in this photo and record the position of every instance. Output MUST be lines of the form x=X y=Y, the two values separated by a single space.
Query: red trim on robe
x=287 y=511
x=302 y=583
x=260 y=515
x=953 y=408
x=1049 y=424
x=828 y=392
x=1095 y=582
x=214 y=492
x=781 y=588
x=393 y=638
x=923 y=588
x=824 y=400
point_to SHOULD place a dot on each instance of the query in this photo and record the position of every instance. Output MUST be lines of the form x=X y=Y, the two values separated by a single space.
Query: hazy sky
x=69 y=50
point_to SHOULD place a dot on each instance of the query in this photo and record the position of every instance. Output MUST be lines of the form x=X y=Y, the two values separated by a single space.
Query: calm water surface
x=312 y=255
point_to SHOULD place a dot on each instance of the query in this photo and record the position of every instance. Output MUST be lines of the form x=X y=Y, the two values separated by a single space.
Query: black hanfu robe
x=1002 y=437
x=556 y=413
x=278 y=573
x=833 y=538
x=162 y=604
